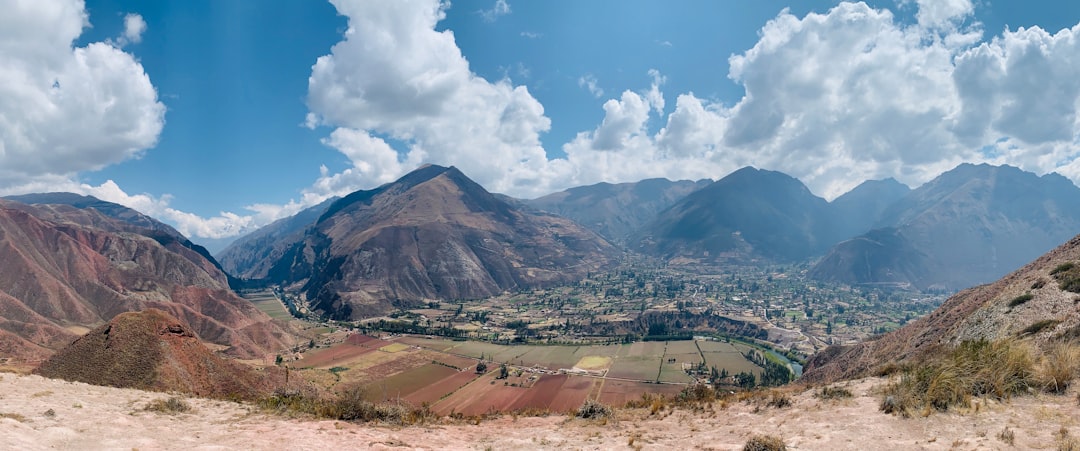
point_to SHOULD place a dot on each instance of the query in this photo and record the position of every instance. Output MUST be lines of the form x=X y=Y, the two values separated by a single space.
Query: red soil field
x=480 y=396
x=437 y=389
x=617 y=393
x=333 y=356
x=558 y=393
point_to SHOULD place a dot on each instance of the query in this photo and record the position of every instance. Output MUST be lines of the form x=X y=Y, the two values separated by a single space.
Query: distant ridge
x=968 y=226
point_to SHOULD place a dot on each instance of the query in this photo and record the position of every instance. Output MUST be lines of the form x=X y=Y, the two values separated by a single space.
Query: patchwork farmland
x=442 y=373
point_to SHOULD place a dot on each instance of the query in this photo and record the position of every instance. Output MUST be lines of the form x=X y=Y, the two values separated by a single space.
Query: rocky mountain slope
x=70 y=268
x=860 y=209
x=151 y=350
x=750 y=215
x=433 y=234
x=615 y=211
x=968 y=226
x=1036 y=302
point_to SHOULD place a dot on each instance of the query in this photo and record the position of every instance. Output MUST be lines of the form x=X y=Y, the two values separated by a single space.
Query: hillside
x=433 y=234
x=615 y=211
x=85 y=416
x=968 y=226
x=750 y=215
x=1036 y=302
x=151 y=350
x=69 y=269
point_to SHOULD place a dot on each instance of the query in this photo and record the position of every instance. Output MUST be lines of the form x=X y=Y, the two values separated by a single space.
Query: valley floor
x=90 y=417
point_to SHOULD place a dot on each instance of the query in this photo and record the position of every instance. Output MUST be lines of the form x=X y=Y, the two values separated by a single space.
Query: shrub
x=591 y=410
x=1039 y=326
x=1064 y=267
x=765 y=443
x=1058 y=367
x=997 y=369
x=172 y=405
x=779 y=400
x=1038 y=284
x=833 y=393
x=1021 y=299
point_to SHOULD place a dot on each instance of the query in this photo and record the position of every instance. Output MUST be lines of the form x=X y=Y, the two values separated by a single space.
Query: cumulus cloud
x=832 y=98
x=67 y=109
x=134 y=26
x=425 y=96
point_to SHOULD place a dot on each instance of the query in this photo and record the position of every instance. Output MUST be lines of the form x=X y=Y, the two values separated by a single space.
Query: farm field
x=441 y=372
x=268 y=303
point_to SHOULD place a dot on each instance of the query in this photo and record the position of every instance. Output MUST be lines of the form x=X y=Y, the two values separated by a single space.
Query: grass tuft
x=594 y=410
x=1020 y=300
x=764 y=442
x=1058 y=366
x=833 y=393
x=998 y=369
x=172 y=405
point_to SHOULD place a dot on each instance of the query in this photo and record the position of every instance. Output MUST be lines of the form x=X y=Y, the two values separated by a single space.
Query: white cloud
x=500 y=8
x=589 y=82
x=531 y=35
x=134 y=26
x=66 y=109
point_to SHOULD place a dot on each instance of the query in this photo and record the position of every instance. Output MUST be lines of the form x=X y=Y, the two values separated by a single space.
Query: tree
x=504 y=372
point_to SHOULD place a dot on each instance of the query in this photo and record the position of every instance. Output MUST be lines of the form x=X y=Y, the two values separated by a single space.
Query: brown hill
x=1038 y=302
x=152 y=350
x=433 y=234
x=66 y=270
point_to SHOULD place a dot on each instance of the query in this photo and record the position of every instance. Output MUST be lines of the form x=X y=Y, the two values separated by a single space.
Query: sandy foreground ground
x=90 y=417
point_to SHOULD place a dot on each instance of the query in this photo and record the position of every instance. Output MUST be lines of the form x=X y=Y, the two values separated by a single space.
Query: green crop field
x=269 y=304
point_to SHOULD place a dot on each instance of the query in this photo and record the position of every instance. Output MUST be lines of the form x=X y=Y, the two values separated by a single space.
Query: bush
x=1058 y=367
x=997 y=369
x=833 y=393
x=592 y=410
x=173 y=405
x=765 y=443
x=1064 y=267
x=779 y=400
x=1039 y=326
x=1021 y=299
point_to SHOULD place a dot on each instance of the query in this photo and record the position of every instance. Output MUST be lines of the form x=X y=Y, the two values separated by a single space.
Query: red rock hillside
x=151 y=350
x=64 y=271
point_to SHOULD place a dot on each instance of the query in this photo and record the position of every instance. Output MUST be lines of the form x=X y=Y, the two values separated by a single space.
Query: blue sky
x=221 y=116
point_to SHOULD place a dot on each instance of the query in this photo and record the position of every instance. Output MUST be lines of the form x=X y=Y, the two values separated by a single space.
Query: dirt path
x=90 y=417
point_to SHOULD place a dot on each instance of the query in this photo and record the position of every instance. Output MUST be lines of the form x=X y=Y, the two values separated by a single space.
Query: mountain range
x=968 y=226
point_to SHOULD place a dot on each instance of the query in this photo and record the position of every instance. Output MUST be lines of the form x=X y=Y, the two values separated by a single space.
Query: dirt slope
x=92 y=417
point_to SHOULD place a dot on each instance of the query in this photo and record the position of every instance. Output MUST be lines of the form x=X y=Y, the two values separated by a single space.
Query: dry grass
x=1058 y=367
x=13 y=416
x=172 y=405
x=998 y=370
x=593 y=410
x=1007 y=436
x=765 y=443
x=830 y=393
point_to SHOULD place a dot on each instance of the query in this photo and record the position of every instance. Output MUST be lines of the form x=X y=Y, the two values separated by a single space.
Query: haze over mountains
x=71 y=263
x=968 y=226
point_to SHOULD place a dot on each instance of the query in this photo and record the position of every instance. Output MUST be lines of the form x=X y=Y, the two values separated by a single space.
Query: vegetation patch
x=998 y=369
x=173 y=405
x=764 y=442
x=1068 y=276
x=1019 y=300
x=594 y=410
x=833 y=393
x=1058 y=367
x=1039 y=327
x=13 y=416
